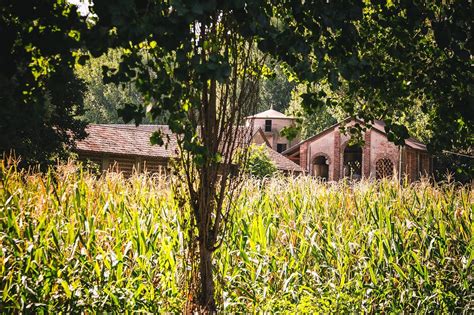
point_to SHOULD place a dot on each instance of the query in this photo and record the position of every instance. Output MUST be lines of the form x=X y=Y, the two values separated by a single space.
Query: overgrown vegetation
x=73 y=242
x=258 y=163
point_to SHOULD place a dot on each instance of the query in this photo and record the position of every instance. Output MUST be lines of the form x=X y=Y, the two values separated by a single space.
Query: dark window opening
x=268 y=125
x=353 y=161
x=321 y=167
x=281 y=147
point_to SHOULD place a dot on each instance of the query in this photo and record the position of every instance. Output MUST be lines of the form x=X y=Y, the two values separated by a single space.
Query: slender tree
x=211 y=174
x=194 y=66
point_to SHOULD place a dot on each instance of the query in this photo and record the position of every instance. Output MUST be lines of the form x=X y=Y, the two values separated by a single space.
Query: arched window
x=383 y=168
x=321 y=167
x=353 y=161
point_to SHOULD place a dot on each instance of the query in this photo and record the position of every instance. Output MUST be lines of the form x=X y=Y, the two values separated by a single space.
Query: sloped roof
x=126 y=140
x=271 y=114
x=281 y=162
x=411 y=142
x=377 y=125
x=131 y=140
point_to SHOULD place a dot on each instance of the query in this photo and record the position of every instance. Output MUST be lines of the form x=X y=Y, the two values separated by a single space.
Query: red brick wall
x=376 y=147
x=366 y=155
x=336 y=163
x=304 y=156
x=381 y=148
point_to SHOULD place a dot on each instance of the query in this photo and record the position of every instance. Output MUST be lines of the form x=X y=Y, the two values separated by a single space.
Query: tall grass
x=71 y=241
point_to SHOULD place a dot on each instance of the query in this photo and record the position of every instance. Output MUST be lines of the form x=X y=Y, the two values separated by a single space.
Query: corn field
x=72 y=241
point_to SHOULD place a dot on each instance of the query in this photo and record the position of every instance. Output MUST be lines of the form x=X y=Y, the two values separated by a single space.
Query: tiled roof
x=281 y=162
x=126 y=140
x=131 y=140
x=271 y=113
x=377 y=125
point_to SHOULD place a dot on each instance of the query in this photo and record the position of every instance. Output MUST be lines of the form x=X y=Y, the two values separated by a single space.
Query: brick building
x=327 y=155
x=330 y=156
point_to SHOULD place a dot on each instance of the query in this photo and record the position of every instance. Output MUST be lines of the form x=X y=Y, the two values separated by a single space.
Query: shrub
x=259 y=163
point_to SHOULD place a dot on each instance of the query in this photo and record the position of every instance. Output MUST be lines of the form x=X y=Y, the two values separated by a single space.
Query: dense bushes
x=73 y=242
x=259 y=163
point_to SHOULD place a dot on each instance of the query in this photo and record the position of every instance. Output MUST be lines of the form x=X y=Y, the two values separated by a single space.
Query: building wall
x=343 y=143
x=377 y=147
x=415 y=164
x=125 y=164
x=323 y=146
x=274 y=136
x=381 y=148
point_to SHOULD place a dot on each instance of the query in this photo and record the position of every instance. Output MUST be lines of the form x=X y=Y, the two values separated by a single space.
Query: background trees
x=418 y=55
x=102 y=101
x=275 y=91
x=258 y=163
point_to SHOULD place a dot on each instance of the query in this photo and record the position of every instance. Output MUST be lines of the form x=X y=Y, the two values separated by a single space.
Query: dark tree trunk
x=207 y=300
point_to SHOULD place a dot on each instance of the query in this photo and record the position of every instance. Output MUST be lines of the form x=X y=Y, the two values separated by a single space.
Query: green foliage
x=102 y=101
x=275 y=91
x=73 y=242
x=291 y=132
x=258 y=163
x=421 y=60
x=312 y=115
x=177 y=67
x=178 y=54
x=40 y=98
x=389 y=57
x=454 y=166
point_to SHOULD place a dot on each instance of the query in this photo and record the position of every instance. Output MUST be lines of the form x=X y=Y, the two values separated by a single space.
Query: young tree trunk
x=207 y=300
x=217 y=120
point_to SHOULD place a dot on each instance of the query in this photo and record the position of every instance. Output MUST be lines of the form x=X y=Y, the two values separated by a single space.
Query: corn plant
x=72 y=241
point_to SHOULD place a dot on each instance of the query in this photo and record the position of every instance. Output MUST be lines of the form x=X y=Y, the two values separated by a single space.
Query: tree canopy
x=40 y=97
x=393 y=55
x=398 y=55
